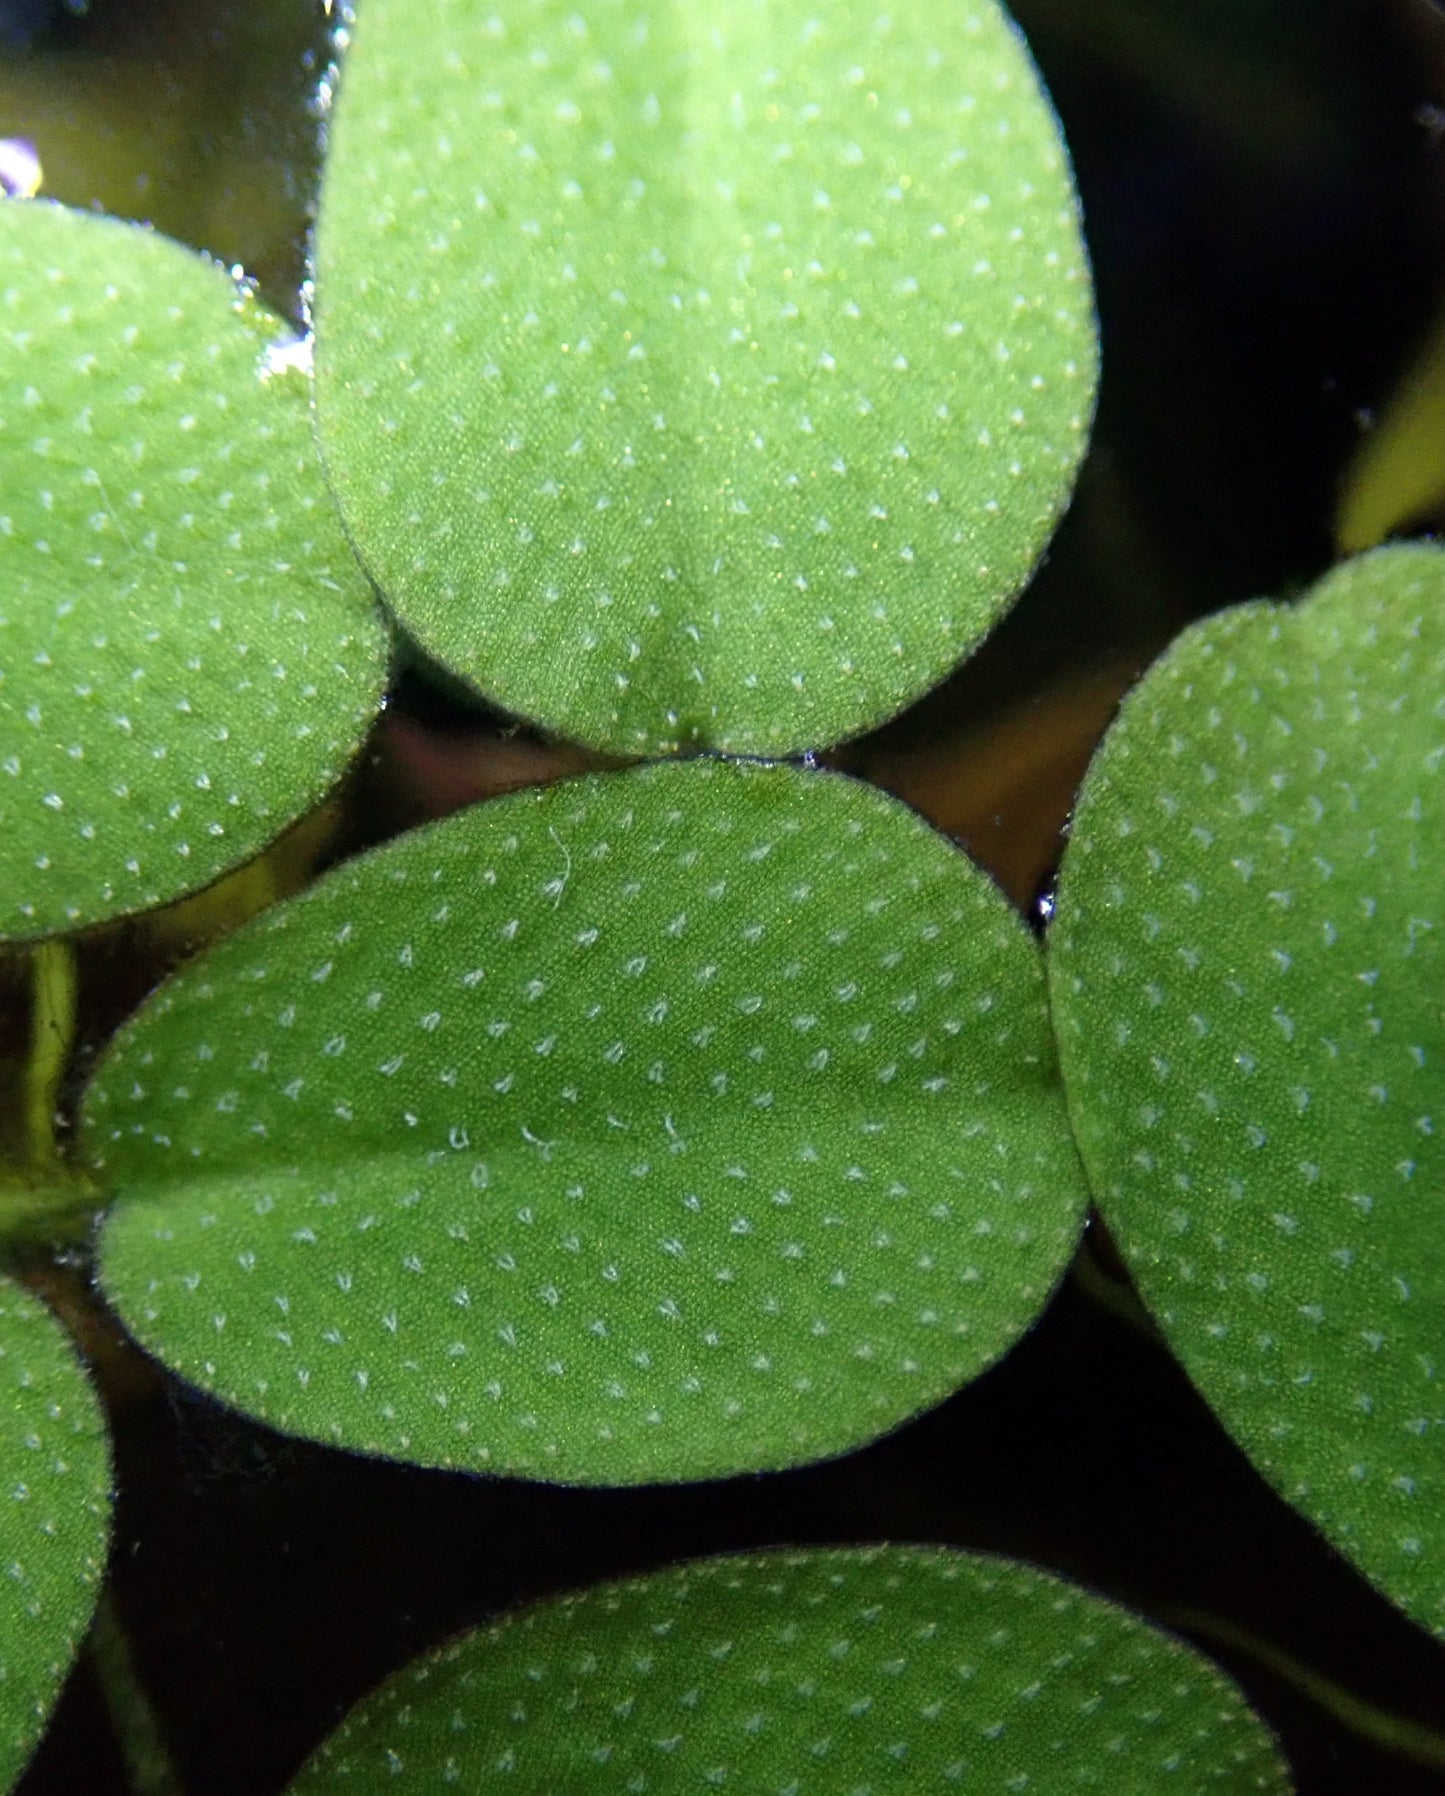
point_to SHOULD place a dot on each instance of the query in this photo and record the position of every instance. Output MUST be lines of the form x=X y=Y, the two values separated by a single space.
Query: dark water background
x=1264 y=191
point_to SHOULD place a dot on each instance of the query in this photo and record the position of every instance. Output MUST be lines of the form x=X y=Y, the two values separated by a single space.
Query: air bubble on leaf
x=286 y=355
x=20 y=171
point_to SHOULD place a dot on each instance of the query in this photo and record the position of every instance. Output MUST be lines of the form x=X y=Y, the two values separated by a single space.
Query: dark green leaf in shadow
x=814 y=1673
x=699 y=378
x=55 y=1489
x=652 y=1126
x=189 y=654
x=1247 y=974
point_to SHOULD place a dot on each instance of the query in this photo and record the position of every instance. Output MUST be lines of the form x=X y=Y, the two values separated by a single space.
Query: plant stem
x=149 y=1766
x=1395 y=1733
x=58 y=1213
x=52 y=1033
x=43 y=1198
x=1111 y=1294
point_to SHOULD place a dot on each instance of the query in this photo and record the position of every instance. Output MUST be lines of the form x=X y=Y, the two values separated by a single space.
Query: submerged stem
x=43 y=1198
x=1397 y=1734
x=52 y=1034
x=149 y=1766
x=1114 y=1295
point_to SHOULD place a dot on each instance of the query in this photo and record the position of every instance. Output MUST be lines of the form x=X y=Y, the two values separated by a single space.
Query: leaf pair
x=681 y=385
x=1246 y=983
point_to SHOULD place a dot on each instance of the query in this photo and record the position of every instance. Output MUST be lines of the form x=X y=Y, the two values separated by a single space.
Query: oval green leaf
x=55 y=1487
x=699 y=378
x=658 y=1125
x=189 y=653
x=1247 y=973
x=813 y=1673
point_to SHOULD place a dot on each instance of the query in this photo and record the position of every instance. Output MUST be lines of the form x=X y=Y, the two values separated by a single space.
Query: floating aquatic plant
x=667 y=1124
x=699 y=381
x=1246 y=971
x=694 y=384
x=189 y=656
x=856 y=1668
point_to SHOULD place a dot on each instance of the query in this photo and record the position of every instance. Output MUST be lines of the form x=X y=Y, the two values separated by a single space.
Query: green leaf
x=814 y=1673
x=657 y=1125
x=189 y=654
x=699 y=378
x=1246 y=971
x=55 y=1489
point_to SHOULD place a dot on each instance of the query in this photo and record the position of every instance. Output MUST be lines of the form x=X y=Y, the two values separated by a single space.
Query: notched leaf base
x=699 y=381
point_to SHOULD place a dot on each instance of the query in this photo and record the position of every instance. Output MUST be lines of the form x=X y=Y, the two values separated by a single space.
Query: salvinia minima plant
x=816 y=1671
x=697 y=385
x=1250 y=1000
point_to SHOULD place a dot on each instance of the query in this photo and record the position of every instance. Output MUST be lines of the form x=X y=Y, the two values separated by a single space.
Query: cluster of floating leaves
x=626 y=1150
x=707 y=386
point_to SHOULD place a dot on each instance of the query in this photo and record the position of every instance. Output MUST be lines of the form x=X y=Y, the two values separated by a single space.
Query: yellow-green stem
x=43 y=1198
x=1112 y=1294
x=1397 y=1734
x=52 y=1034
x=148 y=1762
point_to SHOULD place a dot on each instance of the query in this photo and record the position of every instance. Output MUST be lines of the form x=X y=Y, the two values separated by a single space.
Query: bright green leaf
x=860 y=1669
x=1247 y=973
x=657 y=1125
x=189 y=654
x=55 y=1490
x=699 y=377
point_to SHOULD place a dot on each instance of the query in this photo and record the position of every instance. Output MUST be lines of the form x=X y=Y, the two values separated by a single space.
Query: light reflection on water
x=287 y=355
x=20 y=172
